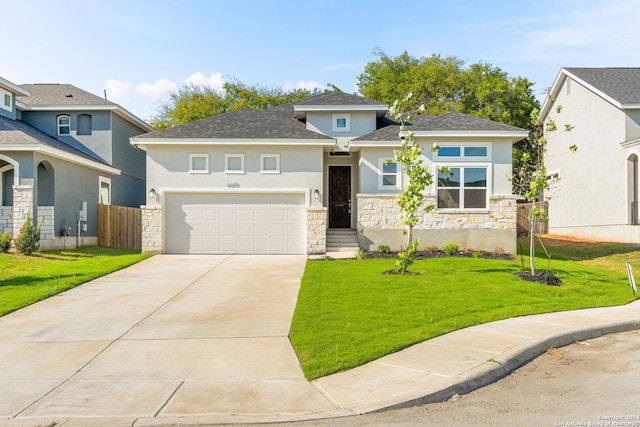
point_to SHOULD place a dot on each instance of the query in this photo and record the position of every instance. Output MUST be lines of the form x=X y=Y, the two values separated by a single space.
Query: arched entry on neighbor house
x=9 y=176
x=632 y=188
x=46 y=184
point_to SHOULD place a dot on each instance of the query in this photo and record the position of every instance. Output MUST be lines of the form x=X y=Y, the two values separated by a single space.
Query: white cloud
x=215 y=81
x=157 y=89
x=310 y=85
x=117 y=89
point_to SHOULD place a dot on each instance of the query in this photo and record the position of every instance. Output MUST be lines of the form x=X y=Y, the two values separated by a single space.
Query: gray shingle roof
x=274 y=123
x=622 y=84
x=338 y=98
x=60 y=94
x=15 y=132
x=452 y=121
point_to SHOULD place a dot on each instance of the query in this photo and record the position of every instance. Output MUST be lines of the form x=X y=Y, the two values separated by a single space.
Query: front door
x=339 y=197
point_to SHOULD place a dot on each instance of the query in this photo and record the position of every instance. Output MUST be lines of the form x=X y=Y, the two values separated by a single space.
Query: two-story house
x=61 y=149
x=593 y=192
x=302 y=177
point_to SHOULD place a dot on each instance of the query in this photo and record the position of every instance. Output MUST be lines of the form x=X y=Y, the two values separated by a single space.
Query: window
x=341 y=123
x=105 y=191
x=468 y=152
x=5 y=100
x=198 y=163
x=234 y=163
x=84 y=124
x=270 y=163
x=390 y=178
x=64 y=125
x=462 y=187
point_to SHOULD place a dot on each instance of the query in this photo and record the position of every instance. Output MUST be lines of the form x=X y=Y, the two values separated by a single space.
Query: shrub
x=498 y=251
x=384 y=249
x=451 y=248
x=359 y=254
x=431 y=248
x=28 y=240
x=477 y=254
x=5 y=242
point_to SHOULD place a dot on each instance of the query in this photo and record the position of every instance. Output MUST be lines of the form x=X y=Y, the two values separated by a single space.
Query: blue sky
x=138 y=50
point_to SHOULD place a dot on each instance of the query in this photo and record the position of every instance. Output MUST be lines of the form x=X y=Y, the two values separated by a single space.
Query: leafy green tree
x=192 y=103
x=443 y=84
x=411 y=199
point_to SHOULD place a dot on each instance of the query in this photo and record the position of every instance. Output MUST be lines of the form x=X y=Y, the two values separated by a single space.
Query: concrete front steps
x=342 y=240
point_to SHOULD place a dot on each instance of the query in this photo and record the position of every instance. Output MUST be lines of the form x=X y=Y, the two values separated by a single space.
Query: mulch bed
x=540 y=277
x=438 y=253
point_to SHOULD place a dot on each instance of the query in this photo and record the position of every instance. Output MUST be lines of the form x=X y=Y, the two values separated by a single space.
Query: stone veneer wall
x=486 y=229
x=22 y=204
x=316 y=230
x=6 y=219
x=46 y=221
x=151 y=229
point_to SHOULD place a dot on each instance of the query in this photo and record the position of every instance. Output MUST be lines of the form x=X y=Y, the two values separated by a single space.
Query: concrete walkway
x=204 y=340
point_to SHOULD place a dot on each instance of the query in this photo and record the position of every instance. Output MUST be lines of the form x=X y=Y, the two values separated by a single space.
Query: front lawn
x=349 y=313
x=28 y=279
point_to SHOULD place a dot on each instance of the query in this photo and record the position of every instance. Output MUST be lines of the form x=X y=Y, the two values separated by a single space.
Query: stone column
x=151 y=229
x=316 y=230
x=22 y=204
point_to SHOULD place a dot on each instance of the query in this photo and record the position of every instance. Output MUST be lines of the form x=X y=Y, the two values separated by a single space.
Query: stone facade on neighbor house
x=281 y=179
x=61 y=148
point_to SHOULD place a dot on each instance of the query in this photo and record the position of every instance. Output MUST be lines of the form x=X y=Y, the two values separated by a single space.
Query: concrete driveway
x=170 y=337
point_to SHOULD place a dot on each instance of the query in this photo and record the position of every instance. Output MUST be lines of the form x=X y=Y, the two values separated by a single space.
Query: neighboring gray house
x=61 y=146
x=594 y=192
x=309 y=176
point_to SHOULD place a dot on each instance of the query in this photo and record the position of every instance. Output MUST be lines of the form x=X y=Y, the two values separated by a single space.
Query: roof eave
x=228 y=141
x=64 y=155
x=13 y=87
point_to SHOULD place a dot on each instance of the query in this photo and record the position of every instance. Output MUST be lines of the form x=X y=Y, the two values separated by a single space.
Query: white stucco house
x=310 y=177
x=594 y=192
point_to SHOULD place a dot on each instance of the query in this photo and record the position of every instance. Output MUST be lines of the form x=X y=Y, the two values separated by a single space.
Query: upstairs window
x=341 y=123
x=64 y=125
x=84 y=124
x=5 y=100
x=463 y=152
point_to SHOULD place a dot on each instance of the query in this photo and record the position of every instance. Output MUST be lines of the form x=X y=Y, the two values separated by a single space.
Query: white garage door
x=235 y=224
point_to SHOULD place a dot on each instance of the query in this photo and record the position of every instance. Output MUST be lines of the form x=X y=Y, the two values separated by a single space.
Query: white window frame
x=462 y=157
x=462 y=167
x=227 y=158
x=101 y=180
x=67 y=125
x=264 y=157
x=196 y=156
x=381 y=175
x=3 y=94
x=334 y=122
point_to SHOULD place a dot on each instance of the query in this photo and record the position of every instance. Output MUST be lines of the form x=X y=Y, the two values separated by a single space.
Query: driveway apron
x=172 y=336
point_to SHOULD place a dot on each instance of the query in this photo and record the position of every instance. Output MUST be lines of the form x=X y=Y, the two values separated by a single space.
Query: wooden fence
x=119 y=227
x=523 y=224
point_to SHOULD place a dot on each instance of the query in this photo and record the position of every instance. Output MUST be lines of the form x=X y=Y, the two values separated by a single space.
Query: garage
x=244 y=223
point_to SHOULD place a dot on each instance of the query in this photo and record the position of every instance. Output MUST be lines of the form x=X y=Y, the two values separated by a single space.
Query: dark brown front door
x=339 y=197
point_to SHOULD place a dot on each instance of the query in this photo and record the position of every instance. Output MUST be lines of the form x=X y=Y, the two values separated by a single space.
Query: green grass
x=349 y=313
x=28 y=279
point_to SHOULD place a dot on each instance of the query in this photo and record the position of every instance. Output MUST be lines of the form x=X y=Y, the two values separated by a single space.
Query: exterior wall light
x=316 y=194
x=152 y=193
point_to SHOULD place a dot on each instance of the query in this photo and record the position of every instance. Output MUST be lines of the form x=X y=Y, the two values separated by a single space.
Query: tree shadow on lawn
x=32 y=281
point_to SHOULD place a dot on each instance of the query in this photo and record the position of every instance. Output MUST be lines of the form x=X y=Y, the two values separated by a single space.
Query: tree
x=443 y=84
x=192 y=103
x=410 y=200
x=536 y=179
x=28 y=240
